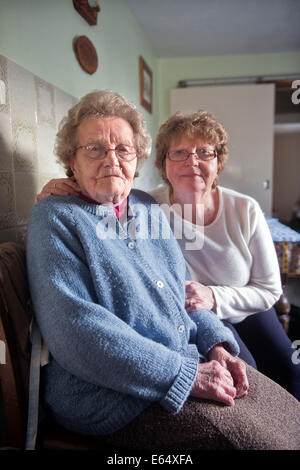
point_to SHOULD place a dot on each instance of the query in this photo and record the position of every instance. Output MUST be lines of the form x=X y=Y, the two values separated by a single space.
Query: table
x=287 y=245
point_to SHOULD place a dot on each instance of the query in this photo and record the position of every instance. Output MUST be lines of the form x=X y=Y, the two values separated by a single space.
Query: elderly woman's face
x=107 y=180
x=192 y=174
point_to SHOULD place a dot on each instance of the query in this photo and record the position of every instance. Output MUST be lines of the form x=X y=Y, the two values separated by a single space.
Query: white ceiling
x=182 y=28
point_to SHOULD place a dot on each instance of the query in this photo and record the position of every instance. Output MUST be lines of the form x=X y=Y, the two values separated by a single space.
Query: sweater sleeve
x=84 y=337
x=211 y=332
x=264 y=286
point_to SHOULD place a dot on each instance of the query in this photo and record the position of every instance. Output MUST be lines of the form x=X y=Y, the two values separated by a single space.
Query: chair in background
x=15 y=356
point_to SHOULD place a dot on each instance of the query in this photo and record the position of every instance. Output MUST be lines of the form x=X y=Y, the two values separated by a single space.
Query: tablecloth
x=287 y=245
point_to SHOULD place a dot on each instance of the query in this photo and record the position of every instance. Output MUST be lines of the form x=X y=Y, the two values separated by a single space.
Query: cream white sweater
x=235 y=255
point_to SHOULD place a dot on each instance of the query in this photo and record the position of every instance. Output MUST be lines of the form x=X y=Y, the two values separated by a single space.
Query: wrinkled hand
x=214 y=382
x=198 y=297
x=234 y=365
x=60 y=187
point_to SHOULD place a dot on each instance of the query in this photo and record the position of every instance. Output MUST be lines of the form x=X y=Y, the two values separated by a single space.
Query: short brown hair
x=200 y=124
x=100 y=104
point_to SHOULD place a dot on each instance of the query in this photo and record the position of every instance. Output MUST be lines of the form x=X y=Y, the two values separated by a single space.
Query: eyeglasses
x=182 y=155
x=98 y=152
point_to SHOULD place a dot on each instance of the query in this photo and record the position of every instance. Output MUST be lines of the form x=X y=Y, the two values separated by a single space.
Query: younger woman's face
x=194 y=174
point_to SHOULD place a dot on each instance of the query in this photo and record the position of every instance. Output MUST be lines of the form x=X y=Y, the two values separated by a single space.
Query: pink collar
x=119 y=210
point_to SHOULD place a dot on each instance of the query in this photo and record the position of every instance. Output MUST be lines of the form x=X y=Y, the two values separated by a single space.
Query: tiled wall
x=30 y=111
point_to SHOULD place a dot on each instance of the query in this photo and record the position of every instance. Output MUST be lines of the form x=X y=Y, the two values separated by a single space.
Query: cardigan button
x=131 y=245
x=160 y=284
x=181 y=329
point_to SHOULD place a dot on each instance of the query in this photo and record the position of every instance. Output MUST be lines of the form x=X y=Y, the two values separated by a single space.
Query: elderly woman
x=126 y=361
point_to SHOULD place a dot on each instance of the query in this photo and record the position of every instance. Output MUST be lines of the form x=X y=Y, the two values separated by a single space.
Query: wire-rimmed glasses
x=182 y=155
x=98 y=152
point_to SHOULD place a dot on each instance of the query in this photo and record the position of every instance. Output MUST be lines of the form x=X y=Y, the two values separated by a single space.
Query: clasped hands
x=222 y=379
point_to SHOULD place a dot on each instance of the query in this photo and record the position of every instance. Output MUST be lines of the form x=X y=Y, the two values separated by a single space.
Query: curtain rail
x=237 y=80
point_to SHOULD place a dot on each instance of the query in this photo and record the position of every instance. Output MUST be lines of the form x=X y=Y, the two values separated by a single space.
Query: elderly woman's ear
x=71 y=165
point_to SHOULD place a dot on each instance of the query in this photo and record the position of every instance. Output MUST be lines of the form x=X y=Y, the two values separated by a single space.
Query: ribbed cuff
x=181 y=388
x=211 y=331
x=222 y=335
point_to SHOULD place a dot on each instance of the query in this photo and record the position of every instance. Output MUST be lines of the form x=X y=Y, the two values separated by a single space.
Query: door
x=247 y=113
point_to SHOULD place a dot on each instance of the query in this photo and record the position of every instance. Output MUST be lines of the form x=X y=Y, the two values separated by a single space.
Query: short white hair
x=100 y=104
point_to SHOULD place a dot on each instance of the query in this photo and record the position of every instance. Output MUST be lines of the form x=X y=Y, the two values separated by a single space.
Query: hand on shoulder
x=59 y=187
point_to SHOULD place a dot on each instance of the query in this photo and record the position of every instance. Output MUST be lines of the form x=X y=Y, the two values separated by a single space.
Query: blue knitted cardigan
x=109 y=301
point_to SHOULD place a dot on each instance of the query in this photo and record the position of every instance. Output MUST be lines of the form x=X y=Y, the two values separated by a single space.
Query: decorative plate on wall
x=86 y=54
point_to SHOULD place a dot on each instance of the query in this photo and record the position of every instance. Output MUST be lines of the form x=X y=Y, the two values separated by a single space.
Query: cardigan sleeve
x=211 y=332
x=84 y=337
